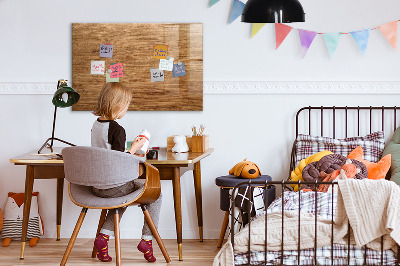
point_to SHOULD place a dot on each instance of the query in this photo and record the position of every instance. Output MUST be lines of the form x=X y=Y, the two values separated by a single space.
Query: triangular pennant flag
x=256 y=28
x=281 y=31
x=306 y=39
x=237 y=9
x=332 y=41
x=213 y=2
x=390 y=32
x=361 y=37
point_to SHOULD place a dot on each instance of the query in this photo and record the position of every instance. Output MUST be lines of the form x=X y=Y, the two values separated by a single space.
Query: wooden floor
x=50 y=252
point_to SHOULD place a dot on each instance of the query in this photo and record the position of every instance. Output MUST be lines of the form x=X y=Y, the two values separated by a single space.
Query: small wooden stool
x=226 y=183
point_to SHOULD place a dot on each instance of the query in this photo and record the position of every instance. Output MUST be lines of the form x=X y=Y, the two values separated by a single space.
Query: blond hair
x=113 y=98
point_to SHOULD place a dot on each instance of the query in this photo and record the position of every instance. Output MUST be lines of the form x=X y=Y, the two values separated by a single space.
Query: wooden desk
x=169 y=164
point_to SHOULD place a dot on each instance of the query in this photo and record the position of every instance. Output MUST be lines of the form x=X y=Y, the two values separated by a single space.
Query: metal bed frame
x=283 y=184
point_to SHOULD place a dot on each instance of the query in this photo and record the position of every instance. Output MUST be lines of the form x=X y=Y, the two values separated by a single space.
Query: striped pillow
x=372 y=145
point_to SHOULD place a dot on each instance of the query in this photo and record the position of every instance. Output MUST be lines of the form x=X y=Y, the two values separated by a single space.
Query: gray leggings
x=154 y=208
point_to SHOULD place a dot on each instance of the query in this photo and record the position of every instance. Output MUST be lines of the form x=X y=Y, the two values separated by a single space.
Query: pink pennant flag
x=306 y=39
x=281 y=31
x=389 y=30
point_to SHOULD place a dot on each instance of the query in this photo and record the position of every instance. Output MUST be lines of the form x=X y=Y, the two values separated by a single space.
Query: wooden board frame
x=133 y=46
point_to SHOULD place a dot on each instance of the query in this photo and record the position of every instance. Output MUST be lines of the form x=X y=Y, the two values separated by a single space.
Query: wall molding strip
x=246 y=87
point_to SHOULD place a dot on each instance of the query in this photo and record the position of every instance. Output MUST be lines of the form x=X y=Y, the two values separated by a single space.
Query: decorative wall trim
x=302 y=87
x=250 y=87
x=28 y=88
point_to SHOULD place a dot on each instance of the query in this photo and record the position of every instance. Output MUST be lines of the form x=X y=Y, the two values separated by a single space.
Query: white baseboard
x=247 y=87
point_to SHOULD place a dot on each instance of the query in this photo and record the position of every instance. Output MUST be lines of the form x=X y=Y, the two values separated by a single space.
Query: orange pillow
x=375 y=170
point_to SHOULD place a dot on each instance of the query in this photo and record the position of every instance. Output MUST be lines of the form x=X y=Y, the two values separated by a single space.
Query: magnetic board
x=133 y=45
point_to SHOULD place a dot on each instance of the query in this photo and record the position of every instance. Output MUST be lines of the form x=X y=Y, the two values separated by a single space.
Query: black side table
x=226 y=183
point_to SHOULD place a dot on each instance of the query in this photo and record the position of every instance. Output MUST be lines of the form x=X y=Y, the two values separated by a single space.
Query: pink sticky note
x=117 y=70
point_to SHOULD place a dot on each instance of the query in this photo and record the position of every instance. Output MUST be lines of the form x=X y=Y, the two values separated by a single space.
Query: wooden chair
x=85 y=167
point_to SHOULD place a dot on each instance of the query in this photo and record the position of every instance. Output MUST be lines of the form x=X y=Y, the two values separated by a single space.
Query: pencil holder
x=200 y=143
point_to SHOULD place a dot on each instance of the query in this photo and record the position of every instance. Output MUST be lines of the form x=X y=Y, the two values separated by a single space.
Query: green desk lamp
x=64 y=97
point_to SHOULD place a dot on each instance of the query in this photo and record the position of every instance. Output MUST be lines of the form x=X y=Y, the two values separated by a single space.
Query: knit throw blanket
x=371 y=206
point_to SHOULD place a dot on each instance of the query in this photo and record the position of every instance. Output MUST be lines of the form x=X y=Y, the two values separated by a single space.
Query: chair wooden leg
x=73 y=237
x=154 y=230
x=101 y=222
x=117 y=238
x=223 y=229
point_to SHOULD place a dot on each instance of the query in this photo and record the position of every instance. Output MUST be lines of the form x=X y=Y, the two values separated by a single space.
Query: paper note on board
x=179 y=70
x=166 y=64
x=106 y=50
x=97 y=67
x=117 y=70
x=160 y=51
x=109 y=79
x=156 y=75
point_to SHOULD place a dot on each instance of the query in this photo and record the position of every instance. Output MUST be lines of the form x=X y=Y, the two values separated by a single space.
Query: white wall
x=35 y=46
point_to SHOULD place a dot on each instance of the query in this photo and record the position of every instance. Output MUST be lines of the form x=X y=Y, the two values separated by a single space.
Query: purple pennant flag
x=306 y=39
x=237 y=9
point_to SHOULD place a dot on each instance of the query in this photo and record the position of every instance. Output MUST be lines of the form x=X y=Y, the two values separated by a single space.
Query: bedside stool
x=226 y=183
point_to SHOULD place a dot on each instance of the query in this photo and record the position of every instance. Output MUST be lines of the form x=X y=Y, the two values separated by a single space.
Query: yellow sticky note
x=160 y=51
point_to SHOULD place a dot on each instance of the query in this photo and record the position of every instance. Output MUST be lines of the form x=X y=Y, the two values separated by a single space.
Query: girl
x=113 y=103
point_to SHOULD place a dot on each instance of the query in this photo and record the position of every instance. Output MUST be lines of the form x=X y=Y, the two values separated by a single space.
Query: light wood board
x=133 y=46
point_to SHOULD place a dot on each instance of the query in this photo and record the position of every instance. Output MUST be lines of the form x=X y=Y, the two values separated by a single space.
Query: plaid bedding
x=372 y=145
x=323 y=207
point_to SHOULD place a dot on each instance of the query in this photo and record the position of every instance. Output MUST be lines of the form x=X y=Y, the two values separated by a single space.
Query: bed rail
x=265 y=185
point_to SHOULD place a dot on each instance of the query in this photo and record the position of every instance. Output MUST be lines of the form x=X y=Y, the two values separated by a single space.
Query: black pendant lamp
x=273 y=11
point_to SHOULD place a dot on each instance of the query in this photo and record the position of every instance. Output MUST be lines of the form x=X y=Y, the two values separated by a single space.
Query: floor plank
x=49 y=252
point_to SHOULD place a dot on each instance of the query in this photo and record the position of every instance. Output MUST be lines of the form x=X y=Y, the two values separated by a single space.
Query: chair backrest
x=92 y=166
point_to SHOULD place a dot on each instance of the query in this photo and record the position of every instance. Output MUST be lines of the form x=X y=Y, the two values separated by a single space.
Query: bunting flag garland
x=237 y=9
x=281 y=31
x=213 y=2
x=332 y=41
x=256 y=28
x=389 y=30
x=306 y=39
x=361 y=37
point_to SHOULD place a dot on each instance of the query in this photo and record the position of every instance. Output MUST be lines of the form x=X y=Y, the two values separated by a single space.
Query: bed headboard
x=344 y=121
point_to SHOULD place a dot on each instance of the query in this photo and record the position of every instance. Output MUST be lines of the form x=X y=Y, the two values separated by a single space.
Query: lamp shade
x=65 y=96
x=273 y=11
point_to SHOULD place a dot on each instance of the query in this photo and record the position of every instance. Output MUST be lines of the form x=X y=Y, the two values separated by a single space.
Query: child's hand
x=143 y=155
x=137 y=144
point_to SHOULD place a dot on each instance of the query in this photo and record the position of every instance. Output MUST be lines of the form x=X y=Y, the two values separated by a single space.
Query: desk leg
x=27 y=206
x=176 y=182
x=60 y=190
x=199 y=204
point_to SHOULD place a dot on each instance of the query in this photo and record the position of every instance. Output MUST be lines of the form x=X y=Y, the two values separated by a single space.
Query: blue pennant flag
x=332 y=41
x=361 y=37
x=213 y=2
x=237 y=9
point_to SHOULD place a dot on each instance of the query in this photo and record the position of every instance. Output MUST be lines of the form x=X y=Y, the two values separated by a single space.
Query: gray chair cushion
x=84 y=196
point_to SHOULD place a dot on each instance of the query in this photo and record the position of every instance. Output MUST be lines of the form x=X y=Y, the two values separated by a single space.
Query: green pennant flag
x=213 y=2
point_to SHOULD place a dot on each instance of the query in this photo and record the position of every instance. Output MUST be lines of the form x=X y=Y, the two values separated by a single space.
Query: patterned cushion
x=372 y=144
